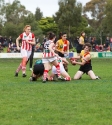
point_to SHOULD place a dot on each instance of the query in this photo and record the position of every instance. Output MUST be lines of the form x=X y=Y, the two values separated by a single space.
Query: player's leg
x=56 y=64
x=64 y=73
x=53 y=73
x=46 y=69
x=23 y=63
x=92 y=75
x=78 y=75
x=18 y=69
x=25 y=54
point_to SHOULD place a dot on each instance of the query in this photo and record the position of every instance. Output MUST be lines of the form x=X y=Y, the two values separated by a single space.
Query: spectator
x=107 y=42
x=100 y=48
x=37 y=47
x=1 y=40
x=5 y=43
x=86 y=39
x=76 y=42
x=10 y=40
x=81 y=42
x=93 y=43
x=108 y=49
x=1 y=48
x=97 y=48
x=37 y=40
x=104 y=47
x=111 y=44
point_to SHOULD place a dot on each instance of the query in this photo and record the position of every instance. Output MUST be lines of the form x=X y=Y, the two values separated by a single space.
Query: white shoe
x=97 y=77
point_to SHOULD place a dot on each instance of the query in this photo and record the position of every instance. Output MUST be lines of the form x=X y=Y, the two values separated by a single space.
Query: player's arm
x=17 y=42
x=84 y=60
x=77 y=57
x=50 y=48
x=65 y=61
x=33 y=42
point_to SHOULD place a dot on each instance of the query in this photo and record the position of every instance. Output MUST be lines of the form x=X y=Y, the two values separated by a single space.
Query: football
x=72 y=59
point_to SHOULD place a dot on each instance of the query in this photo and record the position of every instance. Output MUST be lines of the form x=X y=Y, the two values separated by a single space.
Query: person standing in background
x=28 y=40
x=80 y=43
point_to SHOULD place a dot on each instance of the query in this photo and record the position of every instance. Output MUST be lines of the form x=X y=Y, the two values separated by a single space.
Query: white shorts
x=25 y=53
x=54 y=71
x=47 y=60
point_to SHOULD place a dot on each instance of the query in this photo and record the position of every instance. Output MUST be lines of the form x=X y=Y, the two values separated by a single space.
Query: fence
x=71 y=54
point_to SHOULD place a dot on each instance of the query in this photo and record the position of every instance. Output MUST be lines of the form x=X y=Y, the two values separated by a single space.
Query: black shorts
x=38 y=69
x=79 y=51
x=60 y=54
x=85 y=69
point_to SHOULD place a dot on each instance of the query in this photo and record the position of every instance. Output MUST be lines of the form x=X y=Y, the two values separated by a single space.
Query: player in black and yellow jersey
x=85 y=64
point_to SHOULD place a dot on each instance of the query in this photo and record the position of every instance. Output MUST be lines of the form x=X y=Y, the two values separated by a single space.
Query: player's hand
x=74 y=62
x=27 y=41
x=18 y=48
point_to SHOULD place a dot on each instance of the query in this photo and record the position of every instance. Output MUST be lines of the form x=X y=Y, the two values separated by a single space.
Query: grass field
x=80 y=102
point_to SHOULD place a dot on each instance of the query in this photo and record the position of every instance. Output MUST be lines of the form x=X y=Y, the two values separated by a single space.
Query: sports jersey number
x=46 y=45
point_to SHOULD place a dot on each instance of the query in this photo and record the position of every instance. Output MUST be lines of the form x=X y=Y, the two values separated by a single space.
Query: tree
x=96 y=9
x=48 y=24
x=69 y=15
x=2 y=3
x=107 y=22
x=15 y=12
x=16 y=17
x=38 y=14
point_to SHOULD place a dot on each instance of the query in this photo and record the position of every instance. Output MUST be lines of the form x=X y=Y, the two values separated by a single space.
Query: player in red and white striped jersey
x=49 y=56
x=28 y=39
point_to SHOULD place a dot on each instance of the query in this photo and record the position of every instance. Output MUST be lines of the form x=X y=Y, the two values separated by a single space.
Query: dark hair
x=82 y=33
x=61 y=34
x=89 y=46
x=51 y=36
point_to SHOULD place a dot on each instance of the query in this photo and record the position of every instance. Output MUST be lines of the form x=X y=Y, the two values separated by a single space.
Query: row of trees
x=94 y=18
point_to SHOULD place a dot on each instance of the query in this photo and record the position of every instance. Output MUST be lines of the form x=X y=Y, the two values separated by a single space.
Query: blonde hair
x=26 y=27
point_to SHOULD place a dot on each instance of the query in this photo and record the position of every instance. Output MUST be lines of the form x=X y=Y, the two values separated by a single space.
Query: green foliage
x=96 y=10
x=80 y=102
x=47 y=24
x=15 y=10
x=107 y=22
x=68 y=15
x=10 y=29
x=16 y=17
x=38 y=14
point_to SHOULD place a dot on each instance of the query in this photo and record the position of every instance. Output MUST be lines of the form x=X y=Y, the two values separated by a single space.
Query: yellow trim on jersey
x=82 y=54
x=60 y=45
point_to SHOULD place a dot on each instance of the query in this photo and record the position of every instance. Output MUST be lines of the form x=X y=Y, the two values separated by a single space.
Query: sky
x=47 y=7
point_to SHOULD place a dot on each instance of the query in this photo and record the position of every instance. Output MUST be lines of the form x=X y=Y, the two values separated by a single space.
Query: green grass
x=80 y=102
